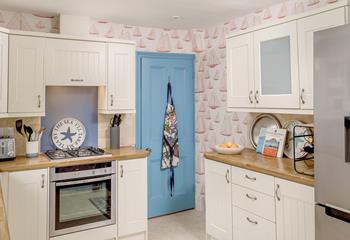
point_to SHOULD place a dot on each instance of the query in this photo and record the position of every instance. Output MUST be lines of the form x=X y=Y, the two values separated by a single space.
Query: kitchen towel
x=170 y=156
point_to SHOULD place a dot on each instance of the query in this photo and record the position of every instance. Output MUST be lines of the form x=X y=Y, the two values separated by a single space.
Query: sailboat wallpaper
x=213 y=123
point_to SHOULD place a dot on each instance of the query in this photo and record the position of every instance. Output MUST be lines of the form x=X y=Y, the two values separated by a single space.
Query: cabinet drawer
x=253 y=180
x=258 y=203
x=247 y=226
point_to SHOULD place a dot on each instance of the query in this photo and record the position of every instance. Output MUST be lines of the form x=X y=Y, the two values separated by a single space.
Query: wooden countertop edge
x=290 y=177
x=4 y=232
x=22 y=163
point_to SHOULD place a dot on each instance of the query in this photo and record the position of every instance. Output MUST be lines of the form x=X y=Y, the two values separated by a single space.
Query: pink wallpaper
x=213 y=124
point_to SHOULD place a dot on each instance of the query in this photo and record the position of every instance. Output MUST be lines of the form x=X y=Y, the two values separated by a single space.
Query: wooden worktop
x=23 y=163
x=249 y=159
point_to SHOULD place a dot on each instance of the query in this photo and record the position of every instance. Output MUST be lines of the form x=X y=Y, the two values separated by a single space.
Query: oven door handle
x=90 y=180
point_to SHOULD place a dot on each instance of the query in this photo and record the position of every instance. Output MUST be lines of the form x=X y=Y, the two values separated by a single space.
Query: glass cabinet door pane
x=275 y=67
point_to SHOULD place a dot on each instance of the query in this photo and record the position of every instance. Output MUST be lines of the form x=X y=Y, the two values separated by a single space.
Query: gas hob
x=83 y=152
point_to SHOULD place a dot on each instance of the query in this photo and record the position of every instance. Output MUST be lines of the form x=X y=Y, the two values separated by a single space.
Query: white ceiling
x=155 y=13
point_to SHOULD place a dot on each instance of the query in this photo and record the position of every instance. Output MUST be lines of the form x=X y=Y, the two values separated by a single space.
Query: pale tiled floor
x=188 y=225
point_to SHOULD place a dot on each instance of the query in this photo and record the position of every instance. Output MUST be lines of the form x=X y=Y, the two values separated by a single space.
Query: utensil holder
x=32 y=149
x=115 y=137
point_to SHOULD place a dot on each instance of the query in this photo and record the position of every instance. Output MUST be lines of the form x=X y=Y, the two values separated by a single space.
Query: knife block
x=114 y=137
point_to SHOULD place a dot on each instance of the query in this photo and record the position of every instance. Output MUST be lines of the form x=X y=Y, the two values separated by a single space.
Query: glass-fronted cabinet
x=276 y=78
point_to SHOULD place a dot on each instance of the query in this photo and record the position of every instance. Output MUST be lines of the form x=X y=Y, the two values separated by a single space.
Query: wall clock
x=68 y=133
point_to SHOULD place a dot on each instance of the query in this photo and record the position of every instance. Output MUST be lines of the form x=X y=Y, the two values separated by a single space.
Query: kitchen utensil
x=19 y=126
x=114 y=120
x=300 y=142
x=26 y=131
x=30 y=132
x=263 y=120
x=229 y=151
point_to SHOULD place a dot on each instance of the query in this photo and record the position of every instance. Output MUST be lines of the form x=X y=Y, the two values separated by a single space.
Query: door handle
x=39 y=101
x=42 y=180
x=251 y=198
x=250 y=178
x=250 y=97
x=227 y=176
x=121 y=171
x=252 y=221
x=277 y=192
x=112 y=102
x=256 y=96
x=302 y=96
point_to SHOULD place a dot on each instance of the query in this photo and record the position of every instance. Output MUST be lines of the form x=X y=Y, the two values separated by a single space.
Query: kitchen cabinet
x=119 y=94
x=132 y=199
x=306 y=29
x=104 y=233
x=27 y=205
x=75 y=63
x=276 y=67
x=295 y=211
x=26 y=92
x=3 y=71
x=218 y=200
x=256 y=206
x=240 y=71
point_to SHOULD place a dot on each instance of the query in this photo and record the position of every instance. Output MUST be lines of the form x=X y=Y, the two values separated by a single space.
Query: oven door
x=82 y=204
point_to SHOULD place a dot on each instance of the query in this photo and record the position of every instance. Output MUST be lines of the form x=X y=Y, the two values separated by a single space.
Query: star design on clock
x=68 y=135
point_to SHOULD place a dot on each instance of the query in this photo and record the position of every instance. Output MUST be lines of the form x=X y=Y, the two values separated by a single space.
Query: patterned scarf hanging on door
x=170 y=156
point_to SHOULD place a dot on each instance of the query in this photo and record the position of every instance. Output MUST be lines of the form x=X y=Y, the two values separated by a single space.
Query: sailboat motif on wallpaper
x=2 y=19
x=179 y=45
x=151 y=35
x=213 y=59
x=222 y=44
x=208 y=115
x=283 y=11
x=207 y=75
x=199 y=84
x=267 y=14
x=19 y=22
x=206 y=34
x=93 y=29
x=313 y=2
x=216 y=75
x=110 y=33
x=175 y=34
x=200 y=128
x=217 y=117
x=141 y=43
x=197 y=42
x=299 y=7
x=201 y=67
x=205 y=57
x=233 y=25
x=137 y=32
x=125 y=34
x=223 y=84
x=205 y=97
x=214 y=102
x=235 y=117
x=244 y=24
x=223 y=98
x=211 y=126
x=209 y=45
x=164 y=43
x=216 y=33
x=226 y=126
x=213 y=140
x=201 y=107
x=188 y=36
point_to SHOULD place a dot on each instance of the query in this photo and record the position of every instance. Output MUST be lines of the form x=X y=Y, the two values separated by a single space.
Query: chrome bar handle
x=227 y=176
x=256 y=96
x=277 y=192
x=250 y=178
x=250 y=96
x=121 y=171
x=39 y=101
x=252 y=221
x=302 y=96
x=42 y=180
x=251 y=198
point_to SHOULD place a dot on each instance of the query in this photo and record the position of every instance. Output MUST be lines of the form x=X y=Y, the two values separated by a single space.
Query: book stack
x=271 y=142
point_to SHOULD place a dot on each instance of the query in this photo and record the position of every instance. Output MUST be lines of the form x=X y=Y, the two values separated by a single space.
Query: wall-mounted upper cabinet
x=75 y=63
x=3 y=72
x=119 y=94
x=271 y=69
x=306 y=29
x=26 y=92
x=276 y=67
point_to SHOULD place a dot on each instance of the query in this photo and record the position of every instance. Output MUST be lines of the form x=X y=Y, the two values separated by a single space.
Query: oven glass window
x=84 y=203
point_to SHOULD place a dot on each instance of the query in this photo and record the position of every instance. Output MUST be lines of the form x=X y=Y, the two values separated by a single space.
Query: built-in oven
x=82 y=197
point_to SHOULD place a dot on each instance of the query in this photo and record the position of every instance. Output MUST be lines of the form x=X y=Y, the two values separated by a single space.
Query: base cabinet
x=295 y=211
x=105 y=233
x=132 y=199
x=256 y=206
x=218 y=200
x=27 y=205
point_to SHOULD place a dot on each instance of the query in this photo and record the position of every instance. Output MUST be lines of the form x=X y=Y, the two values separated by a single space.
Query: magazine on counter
x=261 y=140
x=275 y=140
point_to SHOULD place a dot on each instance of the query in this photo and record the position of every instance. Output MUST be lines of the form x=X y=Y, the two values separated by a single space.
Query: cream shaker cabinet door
x=3 y=72
x=276 y=67
x=75 y=63
x=306 y=29
x=121 y=77
x=218 y=200
x=26 y=75
x=295 y=211
x=240 y=72
x=132 y=197
x=27 y=209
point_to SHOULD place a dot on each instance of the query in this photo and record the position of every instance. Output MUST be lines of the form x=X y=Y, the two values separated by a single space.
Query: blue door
x=154 y=72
